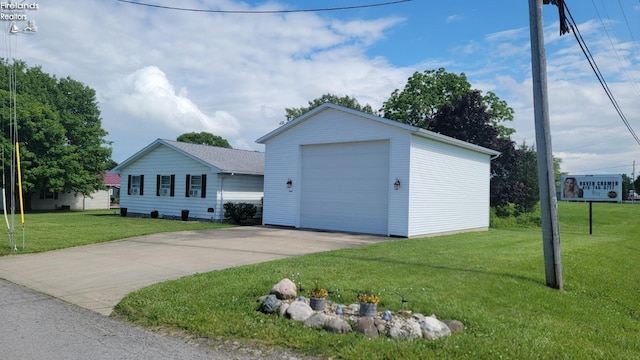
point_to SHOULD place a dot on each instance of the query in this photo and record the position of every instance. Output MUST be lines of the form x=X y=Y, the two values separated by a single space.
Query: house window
x=196 y=186
x=165 y=185
x=48 y=195
x=136 y=185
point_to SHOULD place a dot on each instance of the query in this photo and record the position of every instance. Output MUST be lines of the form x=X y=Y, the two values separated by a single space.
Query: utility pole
x=546 y=176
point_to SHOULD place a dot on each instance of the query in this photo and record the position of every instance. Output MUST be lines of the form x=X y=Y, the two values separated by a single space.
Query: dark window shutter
x=141 y=185
x=129 y=185
x=55 y=195
x=187 y=186
x=172 y=192
x=203 y=190
x=157 y=185
x=41 y=195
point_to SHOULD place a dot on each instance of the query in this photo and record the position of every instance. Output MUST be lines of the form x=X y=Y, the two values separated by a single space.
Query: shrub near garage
x=239 y=212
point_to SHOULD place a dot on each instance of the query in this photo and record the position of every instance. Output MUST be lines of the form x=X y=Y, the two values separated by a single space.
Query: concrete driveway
x=97 y=277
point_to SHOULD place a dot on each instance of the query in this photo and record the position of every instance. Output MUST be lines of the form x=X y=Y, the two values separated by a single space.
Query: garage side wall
x=449 y=188
x=283 y=161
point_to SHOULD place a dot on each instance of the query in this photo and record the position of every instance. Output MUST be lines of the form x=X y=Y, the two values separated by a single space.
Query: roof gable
x=219 y=159
x=412 y=129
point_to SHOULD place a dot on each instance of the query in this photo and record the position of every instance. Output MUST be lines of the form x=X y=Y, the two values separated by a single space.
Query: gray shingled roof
x=227 y=160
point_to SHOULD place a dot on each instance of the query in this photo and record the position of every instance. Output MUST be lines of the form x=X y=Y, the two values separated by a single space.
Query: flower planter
x=154 y=214
x=368 y=310
x=318 y=304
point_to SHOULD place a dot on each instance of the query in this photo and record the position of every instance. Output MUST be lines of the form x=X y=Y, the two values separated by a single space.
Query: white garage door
x=345 y=187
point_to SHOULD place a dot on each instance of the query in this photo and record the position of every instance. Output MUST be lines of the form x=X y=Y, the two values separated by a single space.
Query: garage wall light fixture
x=396 y=185
x=289 y=184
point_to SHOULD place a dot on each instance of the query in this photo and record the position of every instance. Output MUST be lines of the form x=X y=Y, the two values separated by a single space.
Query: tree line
x=63 y=146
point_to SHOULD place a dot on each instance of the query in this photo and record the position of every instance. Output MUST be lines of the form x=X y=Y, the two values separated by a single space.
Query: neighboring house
x=335 y=168
x=112 y=181
x=171 y=177
x=47 y=200
x=99 y=200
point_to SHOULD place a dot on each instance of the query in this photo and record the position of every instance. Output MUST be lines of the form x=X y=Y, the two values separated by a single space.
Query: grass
x=46 y=231
x=491 y=281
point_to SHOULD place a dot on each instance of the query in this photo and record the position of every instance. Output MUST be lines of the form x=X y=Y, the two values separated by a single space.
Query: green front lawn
x=491 y=281
x=44 y=231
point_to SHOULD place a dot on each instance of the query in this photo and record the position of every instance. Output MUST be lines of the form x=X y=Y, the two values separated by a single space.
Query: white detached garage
x=339 y=169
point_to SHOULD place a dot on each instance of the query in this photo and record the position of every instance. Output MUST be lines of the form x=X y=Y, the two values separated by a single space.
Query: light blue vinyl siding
x=449 y=188
x=220 y=188
x=444 y=183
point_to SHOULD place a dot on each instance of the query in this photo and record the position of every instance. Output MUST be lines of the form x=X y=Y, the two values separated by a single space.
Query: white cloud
x=508 y=35
x=148 y=95
x=160 y=73
x=453 y=18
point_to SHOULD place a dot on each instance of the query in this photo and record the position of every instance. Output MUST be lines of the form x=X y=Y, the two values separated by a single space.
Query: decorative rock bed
x=283 y=300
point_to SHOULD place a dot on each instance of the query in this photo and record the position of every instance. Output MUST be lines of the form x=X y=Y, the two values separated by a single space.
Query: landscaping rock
x=381 y=325
x=337 y=318
x=454 y=325
x=270 y=305
x=367 y=326
x=400 y=328
x=431 y=327
x=299 y=311
x=284 y=290
x=282 y=311
x=352 y=309
x=317 y=320
x=337 y=325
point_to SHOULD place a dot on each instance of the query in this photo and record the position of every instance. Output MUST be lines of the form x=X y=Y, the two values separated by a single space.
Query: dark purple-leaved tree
x=467 y=118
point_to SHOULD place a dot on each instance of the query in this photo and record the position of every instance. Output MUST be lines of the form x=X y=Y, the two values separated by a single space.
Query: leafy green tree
x=59 y=129
x=346 y=101
x=557 y=172
x=528 y=176
x=204 y=138
x=425 y=93
x=444 y=102
x=627 y=185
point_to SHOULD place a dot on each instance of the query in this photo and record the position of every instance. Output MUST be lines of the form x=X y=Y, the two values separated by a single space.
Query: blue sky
x=160 y=73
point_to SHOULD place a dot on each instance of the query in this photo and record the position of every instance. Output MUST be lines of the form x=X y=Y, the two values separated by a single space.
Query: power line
x=596 y=70
x=267 y=11
x=635 y=45
x=624 y=67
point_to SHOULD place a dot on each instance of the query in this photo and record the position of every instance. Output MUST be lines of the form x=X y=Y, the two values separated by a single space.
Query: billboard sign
x=591 y=188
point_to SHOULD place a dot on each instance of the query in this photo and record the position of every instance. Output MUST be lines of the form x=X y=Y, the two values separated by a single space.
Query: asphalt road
x=84 y=283
x=35 y=326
